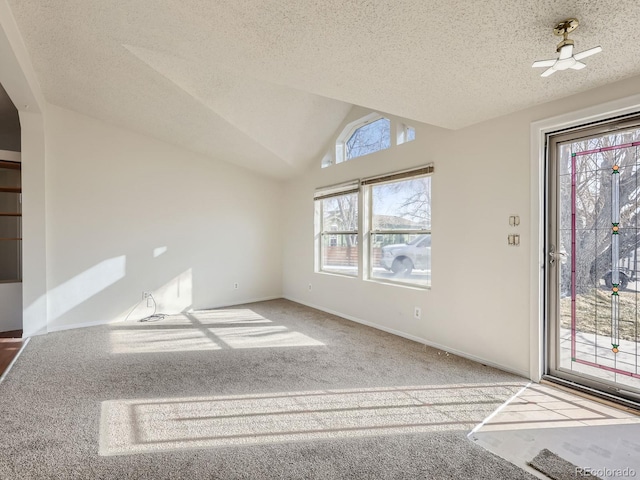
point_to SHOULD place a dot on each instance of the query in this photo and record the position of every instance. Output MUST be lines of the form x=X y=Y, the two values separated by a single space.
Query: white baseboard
x=421 y=340
x=399 y=333
x=243 y=302
x=58 y=328
x=28 y=334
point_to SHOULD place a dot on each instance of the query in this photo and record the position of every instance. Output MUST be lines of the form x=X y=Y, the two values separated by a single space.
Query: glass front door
x=593 y=244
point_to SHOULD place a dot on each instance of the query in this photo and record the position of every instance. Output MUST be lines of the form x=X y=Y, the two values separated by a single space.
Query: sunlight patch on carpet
x=143 y=426
x=213 y=330
x=152 y=340
x=263 y=337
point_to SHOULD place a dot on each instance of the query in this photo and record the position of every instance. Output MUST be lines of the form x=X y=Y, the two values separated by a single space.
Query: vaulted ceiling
x=265 y=83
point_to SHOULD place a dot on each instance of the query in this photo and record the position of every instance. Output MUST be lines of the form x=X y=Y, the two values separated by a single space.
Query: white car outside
x=404 y=257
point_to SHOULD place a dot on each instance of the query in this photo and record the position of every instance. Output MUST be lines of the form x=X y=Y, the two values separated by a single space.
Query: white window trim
x=349 y=130
x=329 y=192
x=403 y=133
x=365 y=231
x=369 y=232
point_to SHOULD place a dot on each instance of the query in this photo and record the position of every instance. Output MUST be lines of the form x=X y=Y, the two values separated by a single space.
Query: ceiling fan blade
x=578 y=66
x=588 y=53
x=544 y=63
x=548 y=72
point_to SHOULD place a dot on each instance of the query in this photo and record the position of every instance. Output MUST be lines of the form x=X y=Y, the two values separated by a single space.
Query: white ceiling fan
x=566 y=58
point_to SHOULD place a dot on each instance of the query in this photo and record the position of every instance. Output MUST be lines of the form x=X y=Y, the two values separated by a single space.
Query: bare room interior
x=319 y=239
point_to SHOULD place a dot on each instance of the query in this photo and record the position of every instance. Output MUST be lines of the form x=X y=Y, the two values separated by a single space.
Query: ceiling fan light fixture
x=566 y=58
x=564 y=63
x=566 y=51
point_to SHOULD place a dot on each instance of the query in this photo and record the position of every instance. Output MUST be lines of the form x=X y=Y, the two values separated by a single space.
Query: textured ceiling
x=264 y=83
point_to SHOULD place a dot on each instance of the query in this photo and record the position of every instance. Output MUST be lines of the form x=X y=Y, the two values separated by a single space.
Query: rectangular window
x=337 y=211
x=406 y=134
x=410 y=135
x=399 y=215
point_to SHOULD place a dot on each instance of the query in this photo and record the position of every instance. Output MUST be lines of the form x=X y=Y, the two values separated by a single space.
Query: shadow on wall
x=174 y=296
x=91 y=294
x=84 y=286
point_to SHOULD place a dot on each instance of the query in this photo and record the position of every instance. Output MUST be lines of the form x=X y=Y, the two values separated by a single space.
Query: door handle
x=556 y=255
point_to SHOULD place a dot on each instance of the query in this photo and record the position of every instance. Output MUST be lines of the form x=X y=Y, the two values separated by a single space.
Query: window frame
x=368 y=185
x=365 y=234
x=403 y=134
x=322 y=194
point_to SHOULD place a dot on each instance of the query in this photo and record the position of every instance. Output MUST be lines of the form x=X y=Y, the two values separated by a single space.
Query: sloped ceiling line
x=271 y=80
x=271 y=115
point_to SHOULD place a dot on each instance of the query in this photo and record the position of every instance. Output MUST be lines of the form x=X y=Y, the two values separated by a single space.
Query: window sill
x=411 y=286
x=337 y=274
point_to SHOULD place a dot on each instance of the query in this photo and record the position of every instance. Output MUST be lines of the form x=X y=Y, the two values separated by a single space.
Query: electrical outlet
x=417 y=313
x=235 y=286
x=309 y=287
x=146 y=295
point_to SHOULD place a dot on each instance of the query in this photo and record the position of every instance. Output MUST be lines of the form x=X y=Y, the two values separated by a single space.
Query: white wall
x=34 y=253
x=116 y=198
x=10 y=306
x=19 y=80
x=479 y=304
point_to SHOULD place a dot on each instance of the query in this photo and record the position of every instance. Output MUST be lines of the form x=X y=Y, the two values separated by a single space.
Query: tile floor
x=582 y=431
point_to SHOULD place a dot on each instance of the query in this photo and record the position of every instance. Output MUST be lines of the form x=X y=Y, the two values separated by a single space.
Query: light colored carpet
x=266 y=390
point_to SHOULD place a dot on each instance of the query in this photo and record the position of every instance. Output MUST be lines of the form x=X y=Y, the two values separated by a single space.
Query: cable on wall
x=154 y=316
x=150 y=318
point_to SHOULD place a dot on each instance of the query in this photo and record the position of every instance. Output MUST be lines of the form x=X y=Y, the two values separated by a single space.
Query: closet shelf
x=10 y=165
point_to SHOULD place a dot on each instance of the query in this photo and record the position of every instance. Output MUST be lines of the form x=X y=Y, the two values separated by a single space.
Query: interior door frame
x=538 y=174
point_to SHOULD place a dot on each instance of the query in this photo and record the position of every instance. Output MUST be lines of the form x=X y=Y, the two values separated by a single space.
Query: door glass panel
x=598 y=190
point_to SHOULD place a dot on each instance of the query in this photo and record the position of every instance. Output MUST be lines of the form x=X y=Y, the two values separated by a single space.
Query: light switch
x=513 y=239
x=514 y=220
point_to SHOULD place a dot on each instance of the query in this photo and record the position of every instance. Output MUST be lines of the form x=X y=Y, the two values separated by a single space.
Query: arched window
x=362 y=137
x=369 y=138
